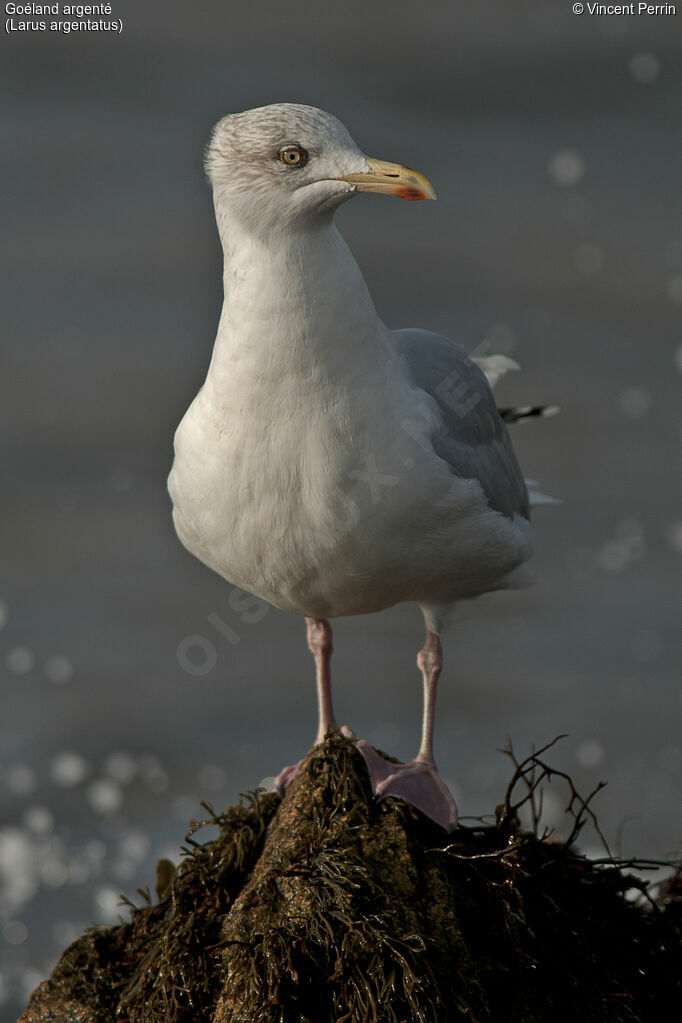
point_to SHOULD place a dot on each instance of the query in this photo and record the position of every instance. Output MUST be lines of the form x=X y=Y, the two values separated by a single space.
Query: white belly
x=291 y=505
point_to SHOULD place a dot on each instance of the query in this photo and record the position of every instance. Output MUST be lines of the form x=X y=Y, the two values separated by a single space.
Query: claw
x=285 y=777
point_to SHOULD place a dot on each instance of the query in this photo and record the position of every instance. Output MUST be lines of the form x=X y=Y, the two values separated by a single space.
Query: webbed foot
x=417 y=783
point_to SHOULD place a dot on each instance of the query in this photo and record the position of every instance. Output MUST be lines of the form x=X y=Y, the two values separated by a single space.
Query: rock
x=328 y=906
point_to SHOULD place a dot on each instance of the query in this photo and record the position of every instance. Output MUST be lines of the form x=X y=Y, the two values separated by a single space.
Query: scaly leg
x=319 y=634
x=417 y=782
x=320 y=645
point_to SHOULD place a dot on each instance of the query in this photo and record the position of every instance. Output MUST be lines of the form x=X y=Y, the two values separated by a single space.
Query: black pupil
x=295 y=156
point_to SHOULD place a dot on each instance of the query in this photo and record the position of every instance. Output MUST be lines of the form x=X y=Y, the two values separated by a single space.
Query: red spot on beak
x=410 y=194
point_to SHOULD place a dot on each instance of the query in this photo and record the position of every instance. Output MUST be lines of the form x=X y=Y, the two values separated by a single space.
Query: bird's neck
x=296 y=308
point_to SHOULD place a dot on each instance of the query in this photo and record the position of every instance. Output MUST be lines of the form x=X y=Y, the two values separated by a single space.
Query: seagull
x=329 y=465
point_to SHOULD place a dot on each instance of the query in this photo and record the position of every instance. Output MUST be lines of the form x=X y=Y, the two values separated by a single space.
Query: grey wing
x=472 y=438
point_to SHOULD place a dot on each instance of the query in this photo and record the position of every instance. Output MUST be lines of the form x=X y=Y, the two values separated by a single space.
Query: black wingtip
x=518 y=413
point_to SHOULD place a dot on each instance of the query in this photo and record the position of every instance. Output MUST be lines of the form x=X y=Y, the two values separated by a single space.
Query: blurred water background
x=554 y=143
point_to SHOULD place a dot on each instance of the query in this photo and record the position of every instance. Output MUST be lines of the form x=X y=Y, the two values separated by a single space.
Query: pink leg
x=320 y=644
x=319 y=633
x=418 y=782
x=430 y=663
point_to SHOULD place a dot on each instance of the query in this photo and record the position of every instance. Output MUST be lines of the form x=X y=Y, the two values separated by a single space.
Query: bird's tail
x=537 y=497
x=495 y=367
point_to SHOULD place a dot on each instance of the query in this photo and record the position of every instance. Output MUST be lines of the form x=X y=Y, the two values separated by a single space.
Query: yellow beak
x=392 y=179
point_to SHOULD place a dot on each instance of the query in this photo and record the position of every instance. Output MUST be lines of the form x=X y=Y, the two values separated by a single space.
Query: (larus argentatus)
x=328 y=464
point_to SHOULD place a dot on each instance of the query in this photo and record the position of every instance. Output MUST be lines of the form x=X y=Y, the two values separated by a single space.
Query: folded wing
x=470 y=436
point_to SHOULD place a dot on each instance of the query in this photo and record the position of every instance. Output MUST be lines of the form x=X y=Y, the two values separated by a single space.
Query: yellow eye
x=293 y=156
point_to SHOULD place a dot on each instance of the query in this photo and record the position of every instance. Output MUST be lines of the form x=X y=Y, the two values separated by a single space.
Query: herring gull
x=330 y=465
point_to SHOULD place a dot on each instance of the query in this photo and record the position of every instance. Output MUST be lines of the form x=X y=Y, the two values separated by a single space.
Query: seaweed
x=329 y=906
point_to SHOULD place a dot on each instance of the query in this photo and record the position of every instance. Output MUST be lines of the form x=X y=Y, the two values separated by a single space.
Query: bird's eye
x=293 y=156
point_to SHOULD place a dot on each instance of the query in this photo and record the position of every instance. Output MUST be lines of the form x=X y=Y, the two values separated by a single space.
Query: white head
x=287 y=163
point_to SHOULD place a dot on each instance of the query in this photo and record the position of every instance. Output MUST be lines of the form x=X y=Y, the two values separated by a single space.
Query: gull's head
x=288 y=163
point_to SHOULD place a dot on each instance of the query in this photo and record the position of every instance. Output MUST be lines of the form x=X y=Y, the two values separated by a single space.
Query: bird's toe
x=421 y=785
x=417 y=783
x=285 y=777
x=378 y=767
